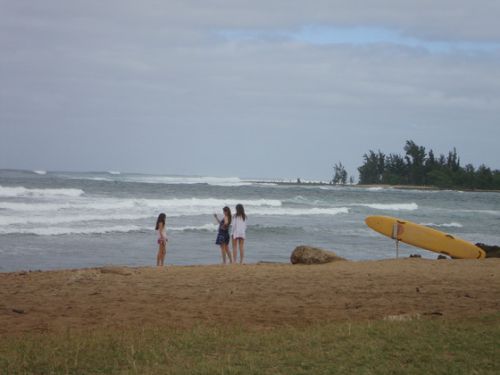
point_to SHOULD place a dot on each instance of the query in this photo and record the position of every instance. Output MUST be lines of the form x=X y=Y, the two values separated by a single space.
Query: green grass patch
x=410 y=347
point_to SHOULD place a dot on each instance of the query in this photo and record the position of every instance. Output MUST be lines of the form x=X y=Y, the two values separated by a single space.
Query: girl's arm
x=217 y=218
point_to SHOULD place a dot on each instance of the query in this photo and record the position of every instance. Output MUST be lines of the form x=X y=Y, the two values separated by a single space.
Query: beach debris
x=313 y=255
x=415 y=256
x=402 y=317
x=116 y=270
x=491 y=251
x=442 y=257
x=434 y=313
x=78 y=276
x=18 y=311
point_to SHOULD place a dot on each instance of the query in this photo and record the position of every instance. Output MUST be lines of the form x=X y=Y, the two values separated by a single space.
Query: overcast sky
x=245 y=88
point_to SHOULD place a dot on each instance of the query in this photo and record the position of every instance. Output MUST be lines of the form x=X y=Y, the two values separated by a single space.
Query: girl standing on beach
x=162 y=239
x=223 y=234
x=239 y=232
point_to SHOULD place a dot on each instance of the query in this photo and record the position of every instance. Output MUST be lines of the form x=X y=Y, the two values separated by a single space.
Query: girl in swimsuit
x=162 y=239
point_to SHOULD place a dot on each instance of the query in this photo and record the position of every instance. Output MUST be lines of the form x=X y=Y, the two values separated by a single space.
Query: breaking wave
x=20 y=191
x=391 y=206
x=59 y=231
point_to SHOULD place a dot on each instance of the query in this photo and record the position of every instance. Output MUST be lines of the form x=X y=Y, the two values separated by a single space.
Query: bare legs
x=162 y=251
x=224 y=249
x=241 y=243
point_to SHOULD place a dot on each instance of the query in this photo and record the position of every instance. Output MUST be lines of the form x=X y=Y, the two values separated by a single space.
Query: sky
x=253 y=89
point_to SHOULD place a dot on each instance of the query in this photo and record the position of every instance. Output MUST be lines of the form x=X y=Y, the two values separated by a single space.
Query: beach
x=254 y=296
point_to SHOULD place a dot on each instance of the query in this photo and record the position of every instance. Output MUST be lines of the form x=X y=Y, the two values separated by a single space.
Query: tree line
x=419 y=167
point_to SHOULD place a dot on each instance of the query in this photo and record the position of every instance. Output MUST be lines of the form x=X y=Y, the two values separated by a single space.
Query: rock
x=415 y=256
x=312 y=255
x=442 y=257
x=491 y=251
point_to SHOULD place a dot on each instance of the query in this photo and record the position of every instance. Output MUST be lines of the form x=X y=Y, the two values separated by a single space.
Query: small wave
x=52 y=219
x=59 y=231
x=444 y=225
x=40 y=172
x=301 y=211
x=482 y=212
x=114 y=172
x=391 y=206
x=179 y=180
x=264 y=229
x=299 y=199
x=20 y=191
x=200 y=228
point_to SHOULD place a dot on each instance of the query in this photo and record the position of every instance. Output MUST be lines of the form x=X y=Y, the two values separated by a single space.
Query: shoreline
x=257 y=296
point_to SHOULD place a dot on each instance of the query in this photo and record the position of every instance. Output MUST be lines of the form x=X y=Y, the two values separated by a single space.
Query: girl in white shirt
x=239 y=232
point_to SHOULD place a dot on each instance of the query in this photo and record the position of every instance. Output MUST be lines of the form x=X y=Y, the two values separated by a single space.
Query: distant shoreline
x=368 y=186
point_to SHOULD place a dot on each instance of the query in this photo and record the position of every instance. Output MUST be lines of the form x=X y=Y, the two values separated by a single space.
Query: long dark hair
x=227 y=213
x=240 y=211
x=161 y=219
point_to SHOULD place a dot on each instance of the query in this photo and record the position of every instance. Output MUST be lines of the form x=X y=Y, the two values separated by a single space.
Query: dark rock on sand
x=312 y=255
x=491 y=251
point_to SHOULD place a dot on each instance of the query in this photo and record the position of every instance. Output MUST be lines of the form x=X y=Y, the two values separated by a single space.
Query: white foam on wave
x=203 y=228
x=20 y=191
x=482 y=212
x=332 y=211
x=74 y=218
x=299 y=199
x=40 y=172
x=444 y=225
x=174 y=205
x=112 y=176
x=391 y=206
x=58 y=231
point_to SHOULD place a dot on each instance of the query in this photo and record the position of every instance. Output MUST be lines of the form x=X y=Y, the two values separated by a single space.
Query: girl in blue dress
x=223 y=235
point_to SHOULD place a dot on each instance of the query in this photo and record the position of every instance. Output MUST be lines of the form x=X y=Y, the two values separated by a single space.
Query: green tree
x=372 y=171
x=339 y=175
x=396 y=170
x=484 y=177
x=418 y=168
x=415 y=159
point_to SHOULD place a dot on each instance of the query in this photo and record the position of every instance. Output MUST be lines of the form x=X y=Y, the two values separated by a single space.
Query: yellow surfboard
x=424 y=237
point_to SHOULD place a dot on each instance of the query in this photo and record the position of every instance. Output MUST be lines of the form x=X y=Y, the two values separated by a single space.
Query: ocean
x=54 y=220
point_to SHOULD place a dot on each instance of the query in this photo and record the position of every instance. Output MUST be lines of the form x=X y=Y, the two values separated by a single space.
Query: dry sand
x=257 y=296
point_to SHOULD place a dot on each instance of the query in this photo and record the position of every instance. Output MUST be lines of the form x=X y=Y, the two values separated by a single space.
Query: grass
x=427 y=346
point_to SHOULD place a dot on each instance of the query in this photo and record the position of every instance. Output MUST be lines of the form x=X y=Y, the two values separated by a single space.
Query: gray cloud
x=155 y=87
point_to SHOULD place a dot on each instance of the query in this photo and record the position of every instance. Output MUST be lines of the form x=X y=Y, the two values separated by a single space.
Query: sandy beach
x=255 y=296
